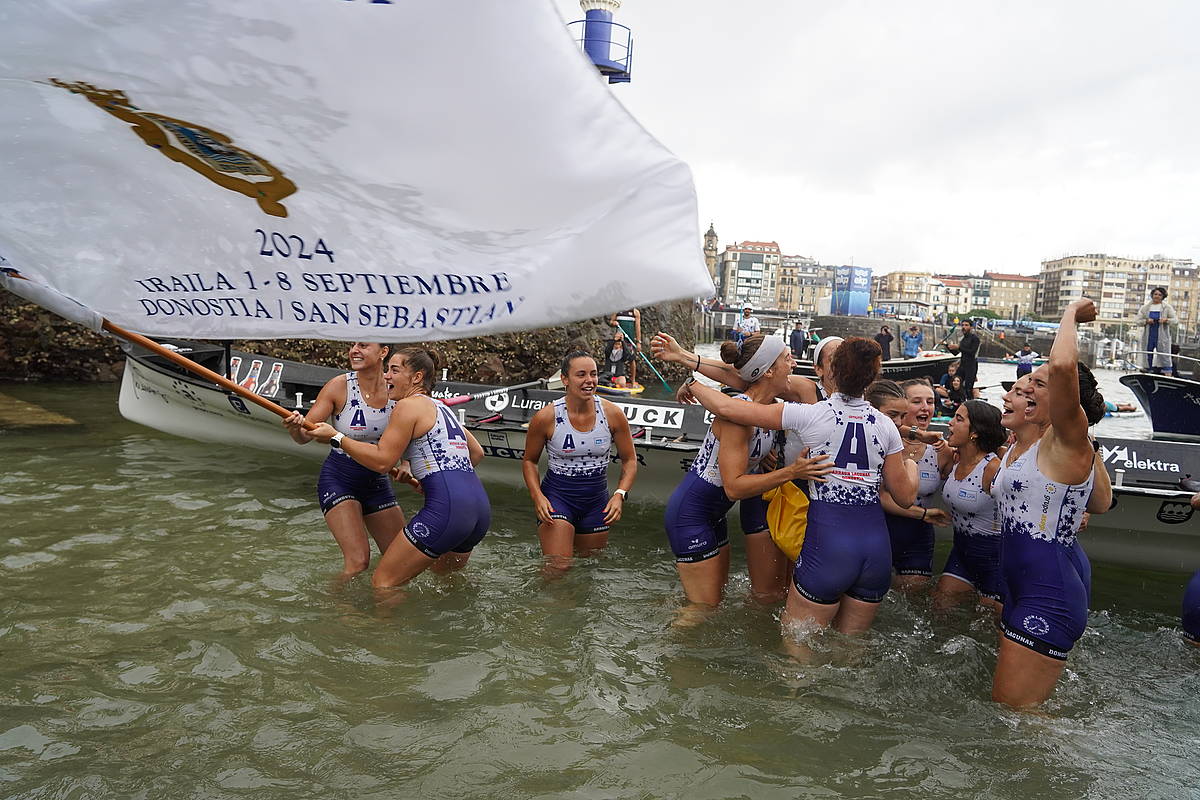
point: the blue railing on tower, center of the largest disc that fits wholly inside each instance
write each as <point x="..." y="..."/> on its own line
<point x="608" y="44"/>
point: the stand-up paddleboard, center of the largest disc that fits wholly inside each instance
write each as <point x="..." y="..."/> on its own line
<point x="620" y="391"/>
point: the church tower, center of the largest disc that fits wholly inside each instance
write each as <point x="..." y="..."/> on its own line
<point x="710" y="252"/>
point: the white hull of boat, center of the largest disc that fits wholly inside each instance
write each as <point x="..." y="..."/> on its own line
<point x="1147" y="528"/>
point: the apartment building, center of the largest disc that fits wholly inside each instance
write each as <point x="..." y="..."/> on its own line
<point x="749" y="273"/>
<point x="1006" y="290"/>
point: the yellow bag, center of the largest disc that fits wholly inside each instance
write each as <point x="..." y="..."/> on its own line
<point x="787" y="514"/>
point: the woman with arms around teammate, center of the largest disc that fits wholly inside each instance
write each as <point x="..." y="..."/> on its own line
<point x="973" y="566"/>
<point x="577" y="431"/>
<point x="354" y="499"/>
<point x="720" y="474"/>
<point x="844" y="569"/>
<point x="441" y="455"/>
<point x="910" y="529"/>
<point x="1044" y="485"/>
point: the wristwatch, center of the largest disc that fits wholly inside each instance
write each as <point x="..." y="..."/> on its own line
<point x="623" y="492"/>
<point x="336" y="441"/>
<point x="912" y="433"/>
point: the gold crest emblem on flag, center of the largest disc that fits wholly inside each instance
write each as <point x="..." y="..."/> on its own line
<point x="201" y="149"/>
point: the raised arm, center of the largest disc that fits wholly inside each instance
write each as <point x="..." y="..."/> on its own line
<point x="754" y="414"/>
<point x="664" y="347"/>
<point x="1066" y="415"/>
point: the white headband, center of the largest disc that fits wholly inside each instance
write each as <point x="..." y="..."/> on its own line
<point x="763" y="358"/>
<point x="821" y="346"/>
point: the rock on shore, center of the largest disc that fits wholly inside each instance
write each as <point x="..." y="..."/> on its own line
<point x="36" y="345"/>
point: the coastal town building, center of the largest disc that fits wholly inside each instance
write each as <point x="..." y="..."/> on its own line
<point x="809" y="283"/>
<point x="749" y="273"/>
<point x="1007" y="291"/>
<point x="956" y="295"/>
<point x="1118" y="285"/>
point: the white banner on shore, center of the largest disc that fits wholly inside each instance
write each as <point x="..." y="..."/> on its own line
<point x="340" y="169"/>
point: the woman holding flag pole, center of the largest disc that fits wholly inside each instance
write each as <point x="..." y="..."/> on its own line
<point x="355" y="501"/>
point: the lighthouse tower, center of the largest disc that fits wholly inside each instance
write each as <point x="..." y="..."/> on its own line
<point x="608" y="44"/>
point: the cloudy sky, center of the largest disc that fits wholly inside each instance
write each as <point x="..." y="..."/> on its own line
<point x="948" y="136"/>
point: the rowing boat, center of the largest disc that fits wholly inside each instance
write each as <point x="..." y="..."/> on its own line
<point x="1146" y="527"/>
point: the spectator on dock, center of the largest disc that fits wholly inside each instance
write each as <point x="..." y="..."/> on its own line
<point x="798" y="342"/>
<point x="911" y="340"/>
<point x="1159" y="320"/>
<point x="884" y="338"/>
<point x="968" y="350"/>
<point x="748" y="324"/>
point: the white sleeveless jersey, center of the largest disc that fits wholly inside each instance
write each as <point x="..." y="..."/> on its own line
<point x="1034" y="507"/>
<point x="792" y="445"/>
<point x="573" y="453"/>
<point x="357" y="419"/>
<point x="442" y="449"/>
<point x="855" y="435"/>
<point x="973" y="510"/>
<point x="707" y="465"/>
<point x="931" y="477"/>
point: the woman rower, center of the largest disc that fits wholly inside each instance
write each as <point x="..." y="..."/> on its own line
<point x="355" y="500"/>
<point x="441" y="455"/>
<point x="762" y="556"/>
<point x="844" y="568"/>
<point x="973" y="566"/>
<point x="910" y="529"/>
<point x="1044" y="485"/>
<point x="720" y="474"/>
<point x="578" y="430"/>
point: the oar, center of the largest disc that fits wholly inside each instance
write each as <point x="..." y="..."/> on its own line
<point x="466" y="398"/>
<point x="68" y="309"/>
<point x="656" y="372"/>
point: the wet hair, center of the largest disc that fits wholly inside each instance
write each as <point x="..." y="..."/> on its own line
<point x="739" y="357"/>
<point x="856" y="365"/>
<point x="1162" y="289"/>
<point x="984" y="421"/>
<point x="1089" y="395"/>
<point x="423" y="360"/>
<point x="571" y="356"/>
<point x="883" y="390"/>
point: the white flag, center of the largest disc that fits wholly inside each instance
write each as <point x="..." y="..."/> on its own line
<point x="341" y="169"/>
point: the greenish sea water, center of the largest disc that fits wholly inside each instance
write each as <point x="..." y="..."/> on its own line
<point x="169" y="627"/>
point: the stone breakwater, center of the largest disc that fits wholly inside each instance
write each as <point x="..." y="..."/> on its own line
<point x="36" y="345"/>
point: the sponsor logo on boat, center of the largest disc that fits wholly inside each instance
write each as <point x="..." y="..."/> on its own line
<point x="239" y="405"/>
<point x="1173" y="513"/>
<point x="1123" y="457"/>
<point x="653" y="416"/>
